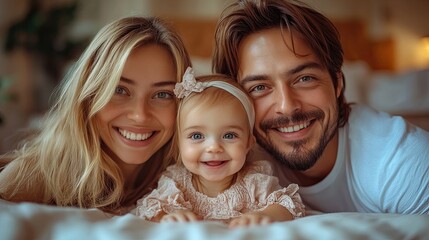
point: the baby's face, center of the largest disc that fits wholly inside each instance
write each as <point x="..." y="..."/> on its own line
<point x="214" y="140"/>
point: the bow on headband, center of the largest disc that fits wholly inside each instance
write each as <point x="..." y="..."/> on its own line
<point x="189" y="84"/>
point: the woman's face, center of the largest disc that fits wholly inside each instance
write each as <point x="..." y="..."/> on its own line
<point x="139" y="119"/>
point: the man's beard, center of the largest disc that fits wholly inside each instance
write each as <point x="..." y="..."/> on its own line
<point x="300" y="158"/>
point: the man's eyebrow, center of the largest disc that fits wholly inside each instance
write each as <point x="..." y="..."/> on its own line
<point x="252" y="78"/>
<point x="295" y="70"/>
<point x="301" y="67"/>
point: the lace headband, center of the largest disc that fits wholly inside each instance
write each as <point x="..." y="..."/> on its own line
<point x="189" y="84"/>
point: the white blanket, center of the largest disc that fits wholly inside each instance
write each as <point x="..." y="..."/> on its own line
<point x="33" y="221"/>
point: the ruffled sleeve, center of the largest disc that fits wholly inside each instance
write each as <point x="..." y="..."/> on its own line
<point x="168" y="197"/>
<point x="266" y="190"/>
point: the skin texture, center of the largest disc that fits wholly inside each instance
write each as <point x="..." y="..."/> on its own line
<point x="139" y="119"/>
<point x="295" y="102"/>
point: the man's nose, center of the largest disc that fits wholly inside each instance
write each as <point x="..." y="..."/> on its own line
<point x="286" y="101"/>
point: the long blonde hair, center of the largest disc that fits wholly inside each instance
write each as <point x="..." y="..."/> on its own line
<point x="67" y="156"/>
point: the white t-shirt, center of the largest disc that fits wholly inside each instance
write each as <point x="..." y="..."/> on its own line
<point x="382" y="166"/>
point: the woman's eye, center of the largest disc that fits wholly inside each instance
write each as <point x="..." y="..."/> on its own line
<point x="165" y="95"/>
<point x="230" y="136"/>
<point x="196" y="136"/>
<point x="120" y="90"/>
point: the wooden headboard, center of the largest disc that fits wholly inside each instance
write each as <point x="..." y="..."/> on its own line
<point x="198" y="36"/>
<point x="357" y="45"/>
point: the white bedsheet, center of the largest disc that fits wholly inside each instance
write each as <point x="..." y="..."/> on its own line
<point x="33" y="221"/>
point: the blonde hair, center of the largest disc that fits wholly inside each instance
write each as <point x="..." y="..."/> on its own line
<point x="67" y="156"/>
<point x="209" y="97"/>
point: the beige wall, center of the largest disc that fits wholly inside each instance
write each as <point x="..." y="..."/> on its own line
<point x="406" y="21"/>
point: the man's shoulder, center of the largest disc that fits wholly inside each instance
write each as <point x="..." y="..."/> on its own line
<point x="366" y="124"/>
<point x="377" y="138"/>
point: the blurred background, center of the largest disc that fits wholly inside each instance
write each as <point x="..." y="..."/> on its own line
<point x="386" y="44"/>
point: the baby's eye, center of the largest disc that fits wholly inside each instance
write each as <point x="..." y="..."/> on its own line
<point x="230" y="135"/>
<point x="196" y="136"/>
<point x="120" y="90"/>
<point x="165" y="95"/>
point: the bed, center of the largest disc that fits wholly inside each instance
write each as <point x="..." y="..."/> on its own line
<point x="34" y="221"/>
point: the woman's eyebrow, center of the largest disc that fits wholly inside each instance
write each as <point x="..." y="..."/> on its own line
<point x="164" y="83"/>
<point x="127" y="80"/>
<point x="157" y="84"/>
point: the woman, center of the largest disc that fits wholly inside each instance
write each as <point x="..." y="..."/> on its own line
<point x="106" y="139"/>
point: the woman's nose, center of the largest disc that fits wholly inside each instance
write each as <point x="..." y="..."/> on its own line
<point x="139" y="111"/>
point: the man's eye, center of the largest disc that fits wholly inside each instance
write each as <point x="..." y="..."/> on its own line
<point x="306" y="79"/>
<point x="196" y="136"/>
<point x="164" y="95"/>
<point x="258" y="88"/>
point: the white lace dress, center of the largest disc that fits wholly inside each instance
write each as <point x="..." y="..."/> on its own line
<point x="254" y="189"/>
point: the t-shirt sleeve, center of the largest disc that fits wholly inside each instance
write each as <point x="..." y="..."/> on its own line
<point x="404" y="183"/>
<point x="390" y="163"/>
<point x="167" y="197"/>
<point x="265" y="189"/>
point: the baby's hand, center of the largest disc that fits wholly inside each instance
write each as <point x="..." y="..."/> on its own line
<point x="180" y="216"/>
<point x="255" y="218"/>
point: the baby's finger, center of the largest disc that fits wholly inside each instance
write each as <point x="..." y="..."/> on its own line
<point x="265" y="221"/>
<point x="190" y="216"/>
<point x="168" y="218"/>
<point x="238" y="222"/>
<point x="181" y="217"/>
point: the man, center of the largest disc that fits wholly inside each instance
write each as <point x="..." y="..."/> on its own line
<point x="345" y="157"/>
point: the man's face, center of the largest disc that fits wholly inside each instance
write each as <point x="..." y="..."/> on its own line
<point x="295" y="100"/>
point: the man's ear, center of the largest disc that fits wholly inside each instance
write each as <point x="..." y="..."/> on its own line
<point x="340" y="83"/>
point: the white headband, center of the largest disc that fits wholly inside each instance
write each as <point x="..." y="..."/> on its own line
<point x="189" y="84"/>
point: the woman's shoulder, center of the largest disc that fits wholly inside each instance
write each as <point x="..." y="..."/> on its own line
<point x="15" y="190"/>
